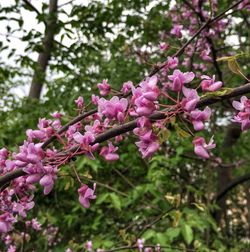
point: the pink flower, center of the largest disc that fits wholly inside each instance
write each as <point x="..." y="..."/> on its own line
<point x="145" y="96"/>
<point x="201" y="148"/>
<point x="176" y="30"/>
<point x="158" y="248"/>
<point x="23" y="206"/>
<point x="150" y="89"/>
<point x="79" y="102"/>
<point x="198" y="118"/>
<point x="57" y="114"/>
<point x="86" y="194"/>
<point x="95" y="99"/>
<point x="89" y="246"/>
<point x="108" y="152"/>
<point x="127" y="86"/>
<point x="35" y="224"/>
<point x="179" y="79"/>
<point x="6" y="222"/>
<point x="244" y="4"/>
<point x="164" y="46"/>
<point x="148" y="148"/>
<point x="44" y="130"/>
<point x="104" y="87"/>
<point x="96" y="128"/>
<point x="29" y="153"/>
<point x="191" y="99"/>
<point x="205" y="55"/>
<point x="148" y="249"/>
<point x="3" y="156"/>
<point x="243" y="117"/>
<point x="48" y="180"/>
<point x="114" y="108"/>
<point x="11" y="248"/>
<point x="144" y="107"/>
<point x="172" y="63"/>
<point x="4" y="153"/>
<point x="243" y="104"/>
<point x="85" y="142"/>
<point x="140" y="244"/>
<point x="148" y="143"/>
<point x="209" y="84"/>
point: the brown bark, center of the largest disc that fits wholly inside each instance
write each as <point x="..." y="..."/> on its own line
<point x="246" y="187"/>
<point x="44" y="56"/>
<point x="224" y="173"/>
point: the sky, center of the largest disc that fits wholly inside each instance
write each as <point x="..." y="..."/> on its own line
<point x="30" y="22"/>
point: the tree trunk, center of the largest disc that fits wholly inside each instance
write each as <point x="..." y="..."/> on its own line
<point x="44" y="56"/>
<point x="224" y="173"/>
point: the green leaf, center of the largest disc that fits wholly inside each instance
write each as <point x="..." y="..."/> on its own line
<point x="187" y="233"/>
<point x="221" y="92"/>
<point x="200" y="206"/>
<point x="101" y="198"/>
<point x="181" y="132"/>
<point x="115" y="201"/>
<point x="149" y="234"/>
<point x="234" y="66"/>
<point x="173" y="233"/>
<point x="163" y="135"/>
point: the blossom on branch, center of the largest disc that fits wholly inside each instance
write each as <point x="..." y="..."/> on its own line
<point x="86" y="194"/>
<point x="209" y="84"/>
<point x="104" y="87"/>
<point x="201" y="148"/>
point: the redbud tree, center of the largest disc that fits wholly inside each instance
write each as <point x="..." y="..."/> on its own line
<point x="163" y="127"/>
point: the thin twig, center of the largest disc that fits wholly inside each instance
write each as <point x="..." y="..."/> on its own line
<point x="32" y="7"/>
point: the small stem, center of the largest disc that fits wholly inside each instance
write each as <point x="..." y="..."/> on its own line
<point x="77" y="176"/>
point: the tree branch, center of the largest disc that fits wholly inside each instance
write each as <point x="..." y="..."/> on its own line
<point x="121" y="129"/>
<point x="32" y="7"/>
<point x="44" y="56"/>
<point x="235" y="182"/>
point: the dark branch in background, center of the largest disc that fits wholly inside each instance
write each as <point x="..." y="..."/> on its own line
<point x="44" y="56"/>
<point x="235" y="182"/>
<point x="209" y="40"/>
<point x="213" y="49"/>
<point x="156" y="220"/>
<point x="69" y="2"/>
<point x="31" y="6"/>
<point x="157" y="116"/>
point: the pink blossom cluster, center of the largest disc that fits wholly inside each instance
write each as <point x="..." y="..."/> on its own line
<point x="185" y="21"/>
<point x="243" y="116"/>
<point x="42" y="165"/>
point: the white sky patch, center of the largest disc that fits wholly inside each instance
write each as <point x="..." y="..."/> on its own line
<point x="13" y="39"/>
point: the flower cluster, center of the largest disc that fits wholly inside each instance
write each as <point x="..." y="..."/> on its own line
<point x="41" y="166"/>
<point x="243" y="116"/>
